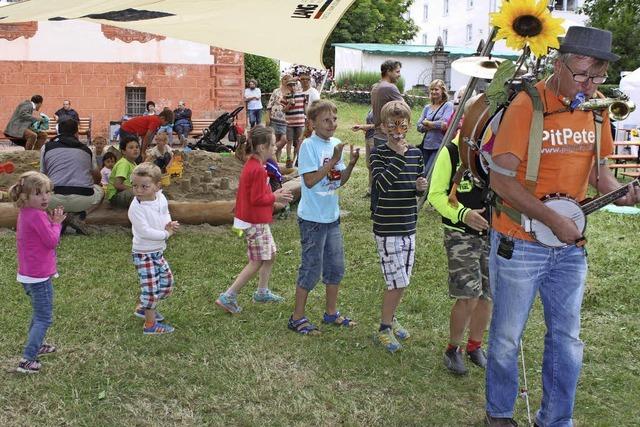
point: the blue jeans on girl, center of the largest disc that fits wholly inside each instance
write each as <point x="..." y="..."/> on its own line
<point x="41" y="295"/>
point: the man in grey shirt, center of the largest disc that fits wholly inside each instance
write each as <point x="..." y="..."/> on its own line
<point x="73" y="169"/>
<point x="381" y="93"/>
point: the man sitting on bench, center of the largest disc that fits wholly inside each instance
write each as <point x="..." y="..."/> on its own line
<point x="19" y="130"/>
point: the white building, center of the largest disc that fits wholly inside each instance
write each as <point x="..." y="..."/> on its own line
<point x="418" y="61"/>
<point x="465" y="22"/>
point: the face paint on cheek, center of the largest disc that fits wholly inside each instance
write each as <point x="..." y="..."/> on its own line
<point x="398" y="129"/>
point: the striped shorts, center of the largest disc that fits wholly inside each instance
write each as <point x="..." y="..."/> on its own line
<point x="156" y="279"/>
<point x="260" y="243"/>
<point x="397" y="254"/>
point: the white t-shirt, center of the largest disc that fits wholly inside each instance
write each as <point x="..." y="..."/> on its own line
<point x="254" y="104"/>
<point x="312" y="95"/>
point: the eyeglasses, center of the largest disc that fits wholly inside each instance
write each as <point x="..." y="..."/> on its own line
<point x="581" y="78"/>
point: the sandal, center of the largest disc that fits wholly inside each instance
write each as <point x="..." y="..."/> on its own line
<point x="303" y="326"/>
<point x="338" y="320"/>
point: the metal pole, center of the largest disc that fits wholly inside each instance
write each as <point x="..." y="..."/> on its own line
<point x="451" y="130"/>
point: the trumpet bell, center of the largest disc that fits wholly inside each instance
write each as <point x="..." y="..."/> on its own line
<point x="620" y="110"/>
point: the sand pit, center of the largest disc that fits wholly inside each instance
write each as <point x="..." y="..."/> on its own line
<point x="204" y="194"/>
<point x="206" y="176"/>
<point x="23" y="161"/>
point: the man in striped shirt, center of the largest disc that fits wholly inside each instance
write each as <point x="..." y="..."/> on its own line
<point x="398" y="178"/>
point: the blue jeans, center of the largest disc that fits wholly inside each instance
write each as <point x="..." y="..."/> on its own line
<point x="41" y="295"/>
<point x="322" y="252"/>
<point x="255" y="117"/>
<point x="558" y="274"/>
<point x="182" y="129"/>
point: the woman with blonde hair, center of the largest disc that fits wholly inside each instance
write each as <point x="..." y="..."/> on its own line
<point x="433" y="122"/>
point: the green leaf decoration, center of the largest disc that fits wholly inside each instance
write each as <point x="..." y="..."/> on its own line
<point x="497" y="92"/>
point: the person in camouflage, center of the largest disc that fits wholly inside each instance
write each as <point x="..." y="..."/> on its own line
<point x="467" y="246"/>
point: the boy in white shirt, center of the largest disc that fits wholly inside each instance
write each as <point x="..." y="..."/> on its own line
<point x="151" y="226"/>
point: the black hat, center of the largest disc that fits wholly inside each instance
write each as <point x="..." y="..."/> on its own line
<point x="589" y="41"/>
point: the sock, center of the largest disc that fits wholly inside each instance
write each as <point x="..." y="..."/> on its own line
<point x="473" y="345"/>
<point x="263" y="291"/>
<point x="230" y="294"/>
<point x="451" y="347"/>
<point x="384" y="327"/>
<point x="149" y="325"/>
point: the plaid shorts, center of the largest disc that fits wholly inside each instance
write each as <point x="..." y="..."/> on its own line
<point x="156" y="279"/>
<point x="397" y="254"/>
<point x="260" y="243"/>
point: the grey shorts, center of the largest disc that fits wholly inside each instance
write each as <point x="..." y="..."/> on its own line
<point x="468" y="256"/>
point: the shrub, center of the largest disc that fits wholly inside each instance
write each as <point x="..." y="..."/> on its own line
<point x="265" y="70"/>
<point x="362" y="80"/>
<point x="609" y="90"/>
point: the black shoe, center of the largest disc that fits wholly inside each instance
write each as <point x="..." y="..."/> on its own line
<point x="478" y="357"/>
<point x="454" y="362"/>
<point x="499" y="422"/>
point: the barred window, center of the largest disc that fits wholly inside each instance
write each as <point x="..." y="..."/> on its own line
<point x="135" y="99"/>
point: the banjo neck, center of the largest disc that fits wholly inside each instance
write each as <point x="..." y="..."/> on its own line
<point x="605" y="199"/>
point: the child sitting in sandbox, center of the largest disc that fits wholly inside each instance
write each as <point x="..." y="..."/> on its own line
<point x="161" y="154"/>
<point x="119" y="188"/>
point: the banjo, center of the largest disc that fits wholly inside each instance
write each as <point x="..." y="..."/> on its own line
<point x="567" y="206"/>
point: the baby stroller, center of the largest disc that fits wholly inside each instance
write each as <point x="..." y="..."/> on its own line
<point x="211" y="136"/>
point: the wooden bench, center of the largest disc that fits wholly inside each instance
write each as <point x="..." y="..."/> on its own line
<point x="623" y="143"/>
<point x="631" y="174"/>
<point x="198" y="126"/>
<point x="84" y="128"/>
<point x="624" y="166"/>
<point x="622" y="157"/>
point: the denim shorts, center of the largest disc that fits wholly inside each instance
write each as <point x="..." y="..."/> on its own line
<point x="322" y="252"/>
<point x="279" y="128"/>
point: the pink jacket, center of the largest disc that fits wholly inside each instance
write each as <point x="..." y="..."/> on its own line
<point x="36" y="239"/>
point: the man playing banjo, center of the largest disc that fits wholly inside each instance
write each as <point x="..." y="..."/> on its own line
<point x="566" y="162"/>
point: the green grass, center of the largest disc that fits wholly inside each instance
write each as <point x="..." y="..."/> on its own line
<point x="250" y="370"/>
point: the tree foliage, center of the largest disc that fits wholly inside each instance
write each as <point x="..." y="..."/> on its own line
<point x="265" y="70"/>
<point x="372" y="21"/>
<point x="621" y="18"/>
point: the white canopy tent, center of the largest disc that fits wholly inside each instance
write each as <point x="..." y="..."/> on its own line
<point x="630" y="85"/>
<point x="283" y="29"/>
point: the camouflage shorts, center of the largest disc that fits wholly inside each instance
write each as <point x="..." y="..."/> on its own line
<point x="468" y="256"/>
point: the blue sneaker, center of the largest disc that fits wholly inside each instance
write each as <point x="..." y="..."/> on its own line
<point x="266" y="297"/>
<point x="388" y="340"/>
<point x="398" y="330"/>
<point x="158" y="329"/>
<point x="139" y="312"/>
<point x="228" y="304"/>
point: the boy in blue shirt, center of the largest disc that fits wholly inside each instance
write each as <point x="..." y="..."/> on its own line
<point x="323" y="172"/>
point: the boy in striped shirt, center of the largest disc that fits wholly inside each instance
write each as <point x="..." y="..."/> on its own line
<point x="398" y="178"/>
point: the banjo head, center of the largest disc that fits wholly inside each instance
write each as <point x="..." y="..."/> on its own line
<point x="562" y="205"/>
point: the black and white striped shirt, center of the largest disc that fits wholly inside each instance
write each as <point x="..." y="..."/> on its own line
<point x="394" y="207"/>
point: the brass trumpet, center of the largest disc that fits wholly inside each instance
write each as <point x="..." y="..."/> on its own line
<point x="619" y="108"/>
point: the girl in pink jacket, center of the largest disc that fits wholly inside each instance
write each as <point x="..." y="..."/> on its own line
<point x="37" y="235"/>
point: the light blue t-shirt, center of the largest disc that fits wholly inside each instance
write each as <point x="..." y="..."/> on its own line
<point x="320" y="202"/>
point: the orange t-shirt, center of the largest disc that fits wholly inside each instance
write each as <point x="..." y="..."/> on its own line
<point x="567" y="153"/>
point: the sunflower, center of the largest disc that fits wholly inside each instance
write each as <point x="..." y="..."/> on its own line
<point x="523" y="22"/>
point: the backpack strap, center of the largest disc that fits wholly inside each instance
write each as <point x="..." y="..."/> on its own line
<point x="597" y="121"/>
<point x="535" y="139"/>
